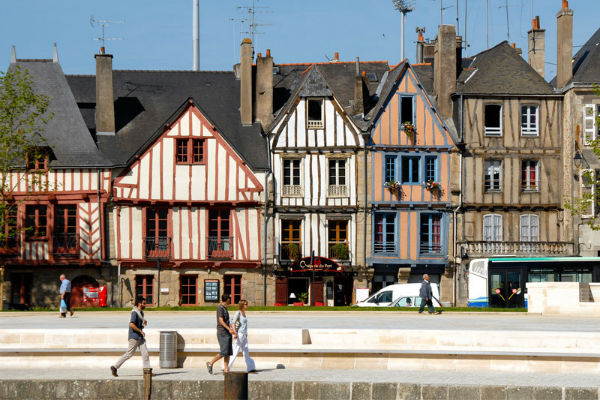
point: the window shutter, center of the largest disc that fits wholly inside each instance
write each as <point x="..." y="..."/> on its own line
<point x="588" y="192"/>
<point x="498" y="228"/>
<point x="589" y="123"/>
<point x="524" y="228"/>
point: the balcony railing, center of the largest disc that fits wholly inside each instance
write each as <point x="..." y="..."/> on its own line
<point x="157" y="247"/>
<point x="525" y="249"/>
<point x="314" y="124"/>
<point x="220" y="247"/>
<point x="337" y="191"/>
<point x="339" y="251"/>
<point x="9" y="247"/>
<point x="292" y="190"/>
<point x="65" y="244"/>
<point x="290" y="251"/>
<point x="430" y="248"/>
<point x="384" y="247"/>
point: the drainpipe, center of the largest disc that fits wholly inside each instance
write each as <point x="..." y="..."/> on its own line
<point x="460" y="195"/>
<point x="265" y="236"/>
<point x="365" y="212"/>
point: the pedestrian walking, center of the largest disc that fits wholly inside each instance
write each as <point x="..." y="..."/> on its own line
<point x="224" y="335"/>
<point x="65" y="295"/>
<point x="426" y="296"/>
<point x="240" y="326"/>
<point x="137" y="337"/>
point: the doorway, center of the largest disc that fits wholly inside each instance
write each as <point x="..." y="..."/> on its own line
<point x="297" y="290"/>
<point x="505" y="289"/>
<point x="20" y="291"/>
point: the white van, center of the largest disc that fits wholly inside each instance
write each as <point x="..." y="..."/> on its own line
<point x="386" y="296"/>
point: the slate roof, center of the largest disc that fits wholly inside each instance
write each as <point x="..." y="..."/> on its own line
<point x="501" y="71"/>
<point x="146" y="100"/>
<point x="586" y="63"/>
<point x="66" y="132"/>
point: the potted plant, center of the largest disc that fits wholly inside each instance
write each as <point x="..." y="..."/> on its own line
<point x="432" y="186"/>
<point x="409" y="128"/>
<point x="293" y="251"/>
<point x="303" y="297"/>
<point x="393" y="186"/>
<point x="339" y="251"/>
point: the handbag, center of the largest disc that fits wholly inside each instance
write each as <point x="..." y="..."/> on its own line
<point x="236" y="321"/>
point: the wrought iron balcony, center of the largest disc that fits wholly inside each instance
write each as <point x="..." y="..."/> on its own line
<point x="384" y="247"/>
<point x="65" y="244"/>
<point x="220" y="247"/>
<point x="157" y="247"/>
<point x="290" y="251"/>
<point x="339" y="251"/>
<point x="523" y="249"/>
<point x="430" y="248"/>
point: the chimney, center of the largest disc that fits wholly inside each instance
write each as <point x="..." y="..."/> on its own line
<point x="459" y="48"/>
<point x="246" y="82"/>
<point x="359" y="106"/>
<point x="564" y="48"/>
<point x="264" y="89"/>
<point x="420" y="45"/>
<point x="517" y="49"/>
<point x="536" y="49"/>
<point x="105" y="106"/>
<point x="428" y="51"/>
<point x="444" y="69"/>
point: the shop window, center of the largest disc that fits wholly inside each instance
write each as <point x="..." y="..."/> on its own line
<point x="189" y="151"/>
<point x="65" y="229"/>
<point x="406" y="110"/>
<point x="529" y="120"/>
<point x="410" y="169"/>
<point x="292" y="185"/>
<point x="385" y="233"/>
<point x="233" y="286"/>
<point x="144" y="287"/>
<point x="529" y="228"/>
<point x="530" y="175"/>
<point x="493" y="176"/>
<point x="36" y="222"/>
<point x="431" y="234"/>
<point x="337" y="178"/>
<point x="338" y="240"/>
<point x="188" y="290"/>
<point x="314" y="114"/>
<point x="211" y="290"/>
<point x="493" y="120"/>
<point x="219" y="235"/>
<point x="291" y="245"/>
<point x="492" y="228"/>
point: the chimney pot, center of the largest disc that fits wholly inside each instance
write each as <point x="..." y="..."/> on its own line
<point x="268" y="52"/>
<point x="259" y="55"/>
<point x="565" y="4"/>
<point x="364" y="73"/>
<point x="102" y="50"/>
<point x="336" y="57"/>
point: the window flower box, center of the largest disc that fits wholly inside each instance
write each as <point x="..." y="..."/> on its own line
<point x="409" y="129"/>
<point x="432" y="186"/>
<point x="393" y="186"/>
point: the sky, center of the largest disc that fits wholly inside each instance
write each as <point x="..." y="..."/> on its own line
<point x="157" y="34"/>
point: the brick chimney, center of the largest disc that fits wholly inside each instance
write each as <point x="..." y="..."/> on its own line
<point x="246" y="82"/>
<point x="536" y="39"/>
<point x="444" y="69"/>
<point x="105" y="105"/>
<point x="359" y="105"/>
<point x="264" y="89"/>
<point x="564" y="48"/>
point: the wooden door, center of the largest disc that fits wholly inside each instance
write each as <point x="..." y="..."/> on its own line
<point x="317" y="291"/>
<point x="281" y="291"/>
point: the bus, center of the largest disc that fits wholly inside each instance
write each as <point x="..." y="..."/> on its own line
<point x="501" y="282"/>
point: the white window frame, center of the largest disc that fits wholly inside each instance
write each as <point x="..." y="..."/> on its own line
<point x="530" y="228"/>
<point x="526" y="186"/>
<point x="590" y="128"/>
<point x="492" y="228"/>
<point x="530" y="128"/>
<point x="589" y="187"/>
<point x="487" y="165"/>
<point x="493" y="131"/>
<point x="315" y="124"/>
<point x="291" y="190"/>
<point x="337" y="190"/>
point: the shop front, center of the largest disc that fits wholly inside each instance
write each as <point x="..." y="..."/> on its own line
<point x="315" y="281"/>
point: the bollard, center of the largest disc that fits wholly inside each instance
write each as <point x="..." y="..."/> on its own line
<point x="236" y="386"/>
<point x="147" y="383"/>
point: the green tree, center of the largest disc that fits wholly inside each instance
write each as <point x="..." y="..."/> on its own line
<point x="23" y="113"/>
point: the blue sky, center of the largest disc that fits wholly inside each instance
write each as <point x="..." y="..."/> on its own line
<point x="157" y="34"/>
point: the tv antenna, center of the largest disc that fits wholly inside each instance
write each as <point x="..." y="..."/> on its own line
<point x="404" y="6"/>
<point x="252" y="24"/>
<point x="103" y="23"/>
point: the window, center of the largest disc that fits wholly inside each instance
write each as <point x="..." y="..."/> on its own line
<point x="385" y="233"/>
<point x="314" y="113"/>
<point x="35" y="222"/>
<point x="144" y="287"/>
<point x="65" y="229"/>
<point x="233" y="286"/>
<point x="406" y="110"/>
<point x="219" y="240"/>
<point x="291" y="246"/>
<point x="493" y="120"/>
<point x="338" y="240"/>
<point x="529" y="228"/>
<point x="492" y="228"/>
<point x="431" y="234"/>
<point x="38" y="159"/>
<point x="529" y="175"/>
<point x="211" y="290"/>
<point x="157" y="232"/>
<point x="337" y="178"/>
<point x="590" y="126"/>
<point x="390" y="169"/>
<point x="529" y="120"/>
<point x="189" y="151"/>
<point x="430" y="169"/>
<point x="291" y="178"/>
<point x="8" y="230"/>
<point x="493" y="175"/>
<point x="410" y="169"/>
<point x="188" y="290"/>
<point x="588" y="192"/>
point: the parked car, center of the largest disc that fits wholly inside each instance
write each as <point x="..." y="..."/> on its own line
<point x="411" y="301"/>
<point x="386" y="296"/>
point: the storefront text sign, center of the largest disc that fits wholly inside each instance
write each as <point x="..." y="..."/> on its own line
<point x="318" y="264"/>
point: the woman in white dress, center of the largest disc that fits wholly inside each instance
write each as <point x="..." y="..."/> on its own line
<point x="239" y="323"/>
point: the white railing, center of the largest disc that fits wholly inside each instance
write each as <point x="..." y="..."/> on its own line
<point x="493" y="131"/>
<point x="475" y="249"/>
<point x="337" y="191"/>
<point x="292" y="190"/>
<point x="313" y="124"/>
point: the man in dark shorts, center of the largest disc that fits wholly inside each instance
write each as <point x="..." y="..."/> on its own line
<point x="224" y="335"/>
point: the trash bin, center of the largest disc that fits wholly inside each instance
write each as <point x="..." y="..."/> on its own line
<point x="168" y="349"/>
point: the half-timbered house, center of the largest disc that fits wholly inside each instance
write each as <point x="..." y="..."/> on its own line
<point x="59" y="204"/>
<point x="186" y="220"/>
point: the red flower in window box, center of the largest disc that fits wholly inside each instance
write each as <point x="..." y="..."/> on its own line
<point x="432" y="186"/>
<point x="409" y="128"/>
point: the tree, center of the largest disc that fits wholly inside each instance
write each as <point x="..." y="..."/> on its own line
<point x="23" y="113"/>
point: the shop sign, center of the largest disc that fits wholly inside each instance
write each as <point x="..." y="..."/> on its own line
<point x="318" y="264"/>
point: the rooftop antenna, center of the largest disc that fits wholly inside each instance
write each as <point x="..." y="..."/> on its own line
<point x="103" y="23"/>
<point x="487" y="25"/>
<point x="252" y="24"/>
<point x="404" y="6"/>
<point x="196" y="36"/>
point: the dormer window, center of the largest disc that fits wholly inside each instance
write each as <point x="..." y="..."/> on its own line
<point x="38" y="159"/>
<point x="493" y="120"/>
<point x="314" y="114"/>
